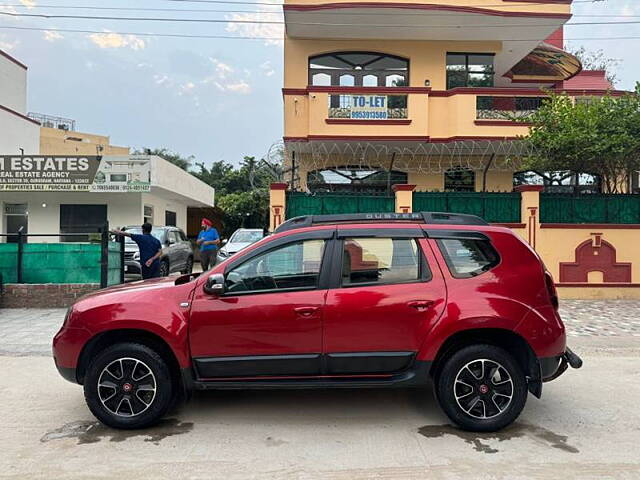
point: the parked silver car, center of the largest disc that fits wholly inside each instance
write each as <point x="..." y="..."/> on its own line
<point x="241" y="238"/>
<point x="177" y="253"/>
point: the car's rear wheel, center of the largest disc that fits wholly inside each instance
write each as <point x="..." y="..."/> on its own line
<point x="188" y="267"/>
<point x="128" y="385"/>
<point x="164" y="268"/>
<point x="481" y="388"/>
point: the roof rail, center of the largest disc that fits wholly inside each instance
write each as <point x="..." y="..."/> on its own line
<point x="436" y="218"/>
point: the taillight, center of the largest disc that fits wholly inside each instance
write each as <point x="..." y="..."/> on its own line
<point x="551" y="289"/>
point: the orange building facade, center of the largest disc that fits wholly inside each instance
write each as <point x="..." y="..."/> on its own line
<point x="410" y="105"/>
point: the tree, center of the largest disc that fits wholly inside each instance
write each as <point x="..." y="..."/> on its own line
<point x="173" y="157"/>
<point x="599" y="136"/>
<point x="596" y="60"/>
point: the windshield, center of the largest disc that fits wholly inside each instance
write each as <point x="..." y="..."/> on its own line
<point x="246" y="236"/>
<point x="156" y="232"/>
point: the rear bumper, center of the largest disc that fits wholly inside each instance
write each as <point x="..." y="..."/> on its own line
<point x="552" y="367"/>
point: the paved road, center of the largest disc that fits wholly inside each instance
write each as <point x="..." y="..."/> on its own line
<point x="587" y="426"/>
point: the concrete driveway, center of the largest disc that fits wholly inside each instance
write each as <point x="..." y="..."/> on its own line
<point x="587" y="426"/>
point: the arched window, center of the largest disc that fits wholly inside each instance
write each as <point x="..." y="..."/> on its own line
<point x="354" y="179"/>
<point x="367" y="69"/>
<point x="459" y="179"/>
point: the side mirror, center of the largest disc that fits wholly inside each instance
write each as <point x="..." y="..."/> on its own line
<point x="224" y="241"/>
<point x="214" y="284"/>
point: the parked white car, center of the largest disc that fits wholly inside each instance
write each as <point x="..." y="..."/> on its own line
<point x="241" y="238"/>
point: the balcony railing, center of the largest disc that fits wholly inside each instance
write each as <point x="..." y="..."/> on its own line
<point x="368" y="107"/>
<point x="506" y="108"/>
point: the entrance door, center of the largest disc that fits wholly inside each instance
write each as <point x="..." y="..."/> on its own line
<point x="387" y="300"/>
<point x="269" y="320"/>
<point x="81" y="219"/>
<point x="16" y="217"/>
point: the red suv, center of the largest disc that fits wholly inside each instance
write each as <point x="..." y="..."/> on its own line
<point x="375" y="300"/>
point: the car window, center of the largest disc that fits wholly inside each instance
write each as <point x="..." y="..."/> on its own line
<point x="173" y="236"/>
<point x="295" y="265"/>
<point x="156" y="232"/>
<point x="468" y="258"/>
<point x="381" y="261"/>
<point x="245" y="236"/>
<point x="182" y="236"/>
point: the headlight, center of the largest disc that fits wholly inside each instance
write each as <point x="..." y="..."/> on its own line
<point x="136" y="255"/>
<point x="223" y="253"/>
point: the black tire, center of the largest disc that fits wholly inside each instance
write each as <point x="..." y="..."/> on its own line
<point x="164" y="268"/>
<point x="102" y="405"/>
<point x="467" y="375"/>
<point x="188" y="268"/>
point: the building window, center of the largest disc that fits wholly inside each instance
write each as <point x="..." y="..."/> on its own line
<point x="354" y="179"/>
<point x="470" y="70"/>
<point x="148" y="214"/>
<point x="459" y="180"/>
<point x="81" y="219"/>
<point x="170" y="218"/>
<point x="16" y="216"/>
<point x="358" y="69"/>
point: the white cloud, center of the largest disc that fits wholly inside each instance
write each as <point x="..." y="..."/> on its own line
<point x="51" y="36"/>
<point x="272" y="33"/>
<point x="6" y="44"/>
<point x="28" y="3"/>
<point x="116" y="40"/>
<point x="241" y="87"/>
<point x="226" y="79"/>
<point x="267" y="68"/>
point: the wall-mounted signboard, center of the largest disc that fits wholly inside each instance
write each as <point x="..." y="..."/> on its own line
<point x="59" y="173"/>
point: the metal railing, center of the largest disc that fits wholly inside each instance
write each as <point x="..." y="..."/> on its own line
<point x="506" y="108"/>
<point x="66" y="260"/>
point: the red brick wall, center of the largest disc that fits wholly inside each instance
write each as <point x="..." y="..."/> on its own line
<point x="50" y="295"/>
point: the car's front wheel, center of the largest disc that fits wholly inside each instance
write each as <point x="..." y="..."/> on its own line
<point x="481" y="388"/>
<point x="164" y="268"/>
<point x="188" y="267"/>
<point x="128" y="385"/>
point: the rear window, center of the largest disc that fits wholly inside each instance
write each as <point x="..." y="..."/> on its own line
<point x="468" y="258"/>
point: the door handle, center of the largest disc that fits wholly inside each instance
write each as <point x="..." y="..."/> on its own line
<point x="306" y="311"/>
<point x="420" y="304"/>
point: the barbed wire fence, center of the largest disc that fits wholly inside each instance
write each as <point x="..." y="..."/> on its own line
<point x="290" y="162"/>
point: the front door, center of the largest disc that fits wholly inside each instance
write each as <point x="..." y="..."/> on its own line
<point x="269" y="320"/>
<point x="387" y="300"/>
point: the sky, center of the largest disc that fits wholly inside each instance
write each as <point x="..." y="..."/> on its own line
<point x="215" y="99"/>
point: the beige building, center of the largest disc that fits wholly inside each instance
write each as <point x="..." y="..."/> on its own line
<point x="55" y="141"/>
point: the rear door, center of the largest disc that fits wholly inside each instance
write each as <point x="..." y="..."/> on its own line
<point x="388" y="293"/>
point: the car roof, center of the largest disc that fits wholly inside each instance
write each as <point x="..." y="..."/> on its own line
<point x="451" y="220"/>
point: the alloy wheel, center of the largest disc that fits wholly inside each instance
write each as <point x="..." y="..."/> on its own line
<point x="127" y="387"/>
<point x="483" y="389"/>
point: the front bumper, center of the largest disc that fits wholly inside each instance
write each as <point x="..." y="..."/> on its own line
<point x="67" y="346"/>
<point x="552" y="368"/>
<point x="132" y="267"/>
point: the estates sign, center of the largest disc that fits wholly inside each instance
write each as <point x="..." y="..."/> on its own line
<point x="369" y="107"/>
<point x="119" y="173"/>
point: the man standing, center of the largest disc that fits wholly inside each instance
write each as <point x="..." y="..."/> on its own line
<point x="208" y="240"/>
<point x="150" y="250"/>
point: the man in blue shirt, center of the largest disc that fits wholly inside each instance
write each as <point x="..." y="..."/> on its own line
<point x="150" y="250"/>
<point x="208" y="240"/>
